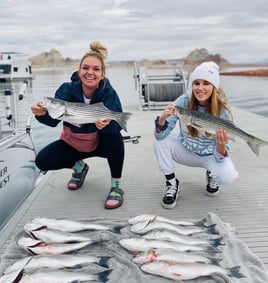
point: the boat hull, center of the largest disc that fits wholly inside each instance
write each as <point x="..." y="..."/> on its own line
<point x="18" y="174"/>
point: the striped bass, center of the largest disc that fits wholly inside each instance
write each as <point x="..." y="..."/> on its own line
<point x="78" y="113"/>
<point x="186" y="271"/>
<point x="205" y="122"/>
<point x="54" y="276"/>
<point x="150" y="217"/>
<point x="142" y="245"/>
<point x="56" y="262"/>
<point x="36" y="247"/>
<point x="49" y="236"/>
<point x="144" y="227"/>
<point x="171" y="256"/>
<point x="66" y="225"/>
<point x="166" y="235"/>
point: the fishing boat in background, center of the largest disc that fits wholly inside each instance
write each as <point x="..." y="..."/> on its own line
<point x="14" y="67"/>
<point x="18" y="172"/>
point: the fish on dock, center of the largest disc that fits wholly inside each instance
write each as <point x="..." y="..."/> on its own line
<point x="172" y="256"/>
<point x="142" y="245"/>
<point x="144" y="227"/>
<point x="170" y="236"/>
<point x="50" y="236"/>
<point x="36" y="247"/>
<point x="57" y="261"/>
<point x="78" y="113"/>
<point x="151" y="217"/>
<point x="187" y="271"/>
<point x="55" y="276"/>
<point x="66" y="225"/>
<point x="205" y="122"/>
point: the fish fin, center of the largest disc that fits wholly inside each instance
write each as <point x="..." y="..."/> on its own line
<point x="256" y="144"/>
<point x="104" y="261"/>
<point x="104" y="275"/>
<point x="19" y="276"/>
<point x="117" y="229"/>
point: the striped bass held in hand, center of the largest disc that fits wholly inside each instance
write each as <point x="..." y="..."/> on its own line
<point x="187" y="271"/>
<point x="205" y="122"/>
<point x="57" y="261"/>
<point x="78" y="113"/>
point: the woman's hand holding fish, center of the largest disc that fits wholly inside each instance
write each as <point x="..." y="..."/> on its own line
<point x="221" y="141"/>
<point x="38" y="109"/>
<point x="100" y="124"/>
<point x="168" y="111"/>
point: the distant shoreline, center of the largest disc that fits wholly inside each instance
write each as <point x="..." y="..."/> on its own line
<point x="254" y="73"/>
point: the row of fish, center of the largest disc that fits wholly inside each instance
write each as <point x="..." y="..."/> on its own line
<point x="178" y="250"/>
<point x="49" y="242"/>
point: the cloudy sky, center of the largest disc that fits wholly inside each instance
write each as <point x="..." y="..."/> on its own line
<point x="137" y="29"/>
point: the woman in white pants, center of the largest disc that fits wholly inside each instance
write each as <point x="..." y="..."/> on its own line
<point x="191" y="147"/>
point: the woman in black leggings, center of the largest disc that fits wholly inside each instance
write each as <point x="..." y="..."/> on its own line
<point x="101" y="138"/>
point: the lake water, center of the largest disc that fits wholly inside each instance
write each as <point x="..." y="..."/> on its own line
<point x="249" y="93"/>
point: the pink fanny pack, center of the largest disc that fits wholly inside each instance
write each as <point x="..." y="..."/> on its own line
<point x="81" y="142"/>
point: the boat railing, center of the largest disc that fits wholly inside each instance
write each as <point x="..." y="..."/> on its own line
<point x="156" y="86"/>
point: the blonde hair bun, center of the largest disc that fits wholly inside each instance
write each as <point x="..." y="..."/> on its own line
<point x="97" y="48"/>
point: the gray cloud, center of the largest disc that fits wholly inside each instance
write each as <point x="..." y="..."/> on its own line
<point x="135" y="29"/>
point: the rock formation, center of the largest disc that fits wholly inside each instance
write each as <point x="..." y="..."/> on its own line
<point x="198" y="56"/>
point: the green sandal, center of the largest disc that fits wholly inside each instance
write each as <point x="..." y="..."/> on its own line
<point x="114" y="199"/>
<point x="78" y="179"/>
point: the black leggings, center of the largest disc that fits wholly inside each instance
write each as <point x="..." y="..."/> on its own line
<point x="59" y="154"/>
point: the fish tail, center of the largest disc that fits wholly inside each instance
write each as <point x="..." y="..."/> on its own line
<point x="104" y="261"/>
<point x="212" y="249"/>
<point x="255" y="145"/>
<point x="211" y="229"/>
<point x="218" y="242"/>
<point x="235" y="272"/>
<point x="214" y="260"/>
<point x="122" y="120"/>
<point x="104" y="275"/>
<point x="117" y="229"/>
<point x="201" y="223"/>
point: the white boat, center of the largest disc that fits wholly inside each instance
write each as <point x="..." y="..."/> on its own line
<point x="18" y="172"/>
<point x="14" y="67"/>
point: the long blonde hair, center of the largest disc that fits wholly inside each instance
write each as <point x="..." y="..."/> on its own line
<point x="96" y="49"/>
<point x="218" y="100"/>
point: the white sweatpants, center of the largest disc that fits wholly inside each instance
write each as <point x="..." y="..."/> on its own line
<point x="170" y="149"/>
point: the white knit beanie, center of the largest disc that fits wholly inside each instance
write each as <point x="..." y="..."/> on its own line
<point x="207" y="71"/>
